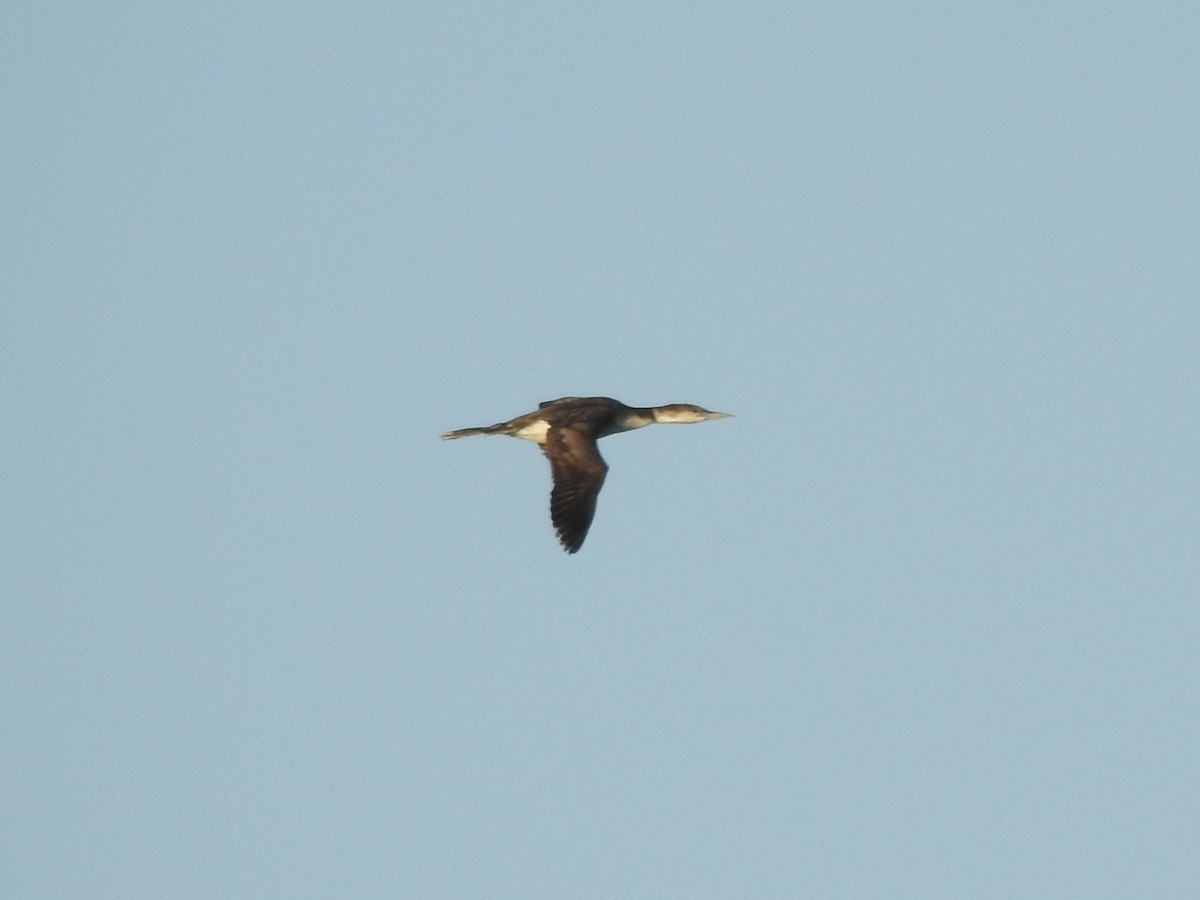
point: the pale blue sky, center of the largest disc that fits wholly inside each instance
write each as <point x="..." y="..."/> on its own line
<point x="921" y="622"/>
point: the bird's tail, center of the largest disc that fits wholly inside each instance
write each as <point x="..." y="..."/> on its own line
<point x="468" y="432"/>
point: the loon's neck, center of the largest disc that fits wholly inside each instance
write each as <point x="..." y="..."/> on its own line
<point x="629" y="418"/>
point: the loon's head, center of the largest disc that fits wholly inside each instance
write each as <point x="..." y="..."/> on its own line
<point x="685" y="414"/>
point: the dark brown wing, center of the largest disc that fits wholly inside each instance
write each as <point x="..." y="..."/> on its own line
<point x="546" y="403"/>
<point x="578" y="472"/>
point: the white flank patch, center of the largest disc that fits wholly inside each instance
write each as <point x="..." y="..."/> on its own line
<point x="535" y="431"/>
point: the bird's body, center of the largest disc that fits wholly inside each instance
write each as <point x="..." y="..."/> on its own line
<point x="567" y="430"/>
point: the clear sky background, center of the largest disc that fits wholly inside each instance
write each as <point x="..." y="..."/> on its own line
<point x="920" y="622"/>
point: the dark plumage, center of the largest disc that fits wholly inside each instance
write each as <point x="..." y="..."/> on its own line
<point x="567" y="430"/>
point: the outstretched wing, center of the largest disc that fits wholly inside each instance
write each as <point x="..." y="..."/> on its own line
<point x="578" y="472"/>
<point x="546" y="403"/>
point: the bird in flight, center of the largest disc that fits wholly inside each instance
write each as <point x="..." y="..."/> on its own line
<point x="567" y="430"/>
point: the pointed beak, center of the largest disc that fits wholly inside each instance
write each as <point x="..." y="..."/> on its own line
<point x="717" y="415"/>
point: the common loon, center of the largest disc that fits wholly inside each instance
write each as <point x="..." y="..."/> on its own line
<point x="567" y="430"/>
